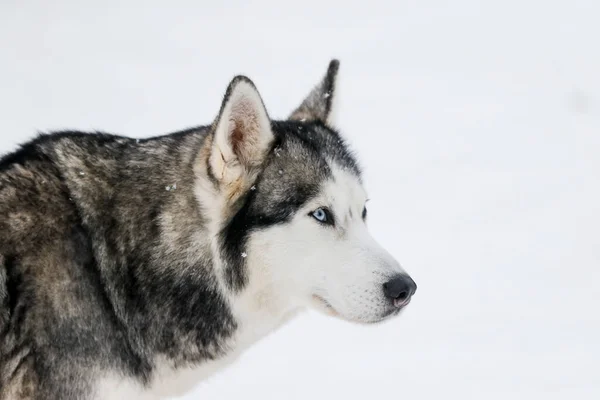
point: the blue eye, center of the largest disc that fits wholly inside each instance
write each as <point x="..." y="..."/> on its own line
<point x="322" y="215"/>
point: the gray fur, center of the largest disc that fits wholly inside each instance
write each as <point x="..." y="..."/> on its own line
<point x="318" y="104"/>
<point x="105" y="260"/>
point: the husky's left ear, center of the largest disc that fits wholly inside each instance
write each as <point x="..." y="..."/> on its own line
<point x="242" y="135"/>
<point x="318" y="105"/>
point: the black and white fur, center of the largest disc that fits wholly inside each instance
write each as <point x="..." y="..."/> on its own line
<point x="133" y="269"/>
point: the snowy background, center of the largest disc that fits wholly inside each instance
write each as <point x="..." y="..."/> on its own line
<point x="478" y="123"/>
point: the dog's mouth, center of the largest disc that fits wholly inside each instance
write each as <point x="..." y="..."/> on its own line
<point x="326" y="307"/>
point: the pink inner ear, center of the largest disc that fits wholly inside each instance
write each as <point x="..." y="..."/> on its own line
<point x="236" y="138"/>
<point x="244" y="130"/>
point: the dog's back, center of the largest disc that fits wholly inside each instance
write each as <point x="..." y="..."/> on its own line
<point x="34" y="214"/>
<point x="57" y="325"/>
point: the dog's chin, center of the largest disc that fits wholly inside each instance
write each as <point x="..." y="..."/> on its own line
<point x="325" y="307"/>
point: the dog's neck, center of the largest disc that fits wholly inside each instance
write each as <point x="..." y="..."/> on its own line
<point x="189" y="250"/>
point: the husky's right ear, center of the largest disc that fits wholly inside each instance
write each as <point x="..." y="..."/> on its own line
<point x="319" y="104"/>
<point x="242" y="135"/>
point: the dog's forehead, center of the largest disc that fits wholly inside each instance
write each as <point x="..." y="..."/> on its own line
<point x="344" y="190"/>
<point x="307" y="142"/>
<point x="306" y="158"/>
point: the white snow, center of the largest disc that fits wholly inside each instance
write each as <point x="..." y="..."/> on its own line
<point x="477" y="122"/>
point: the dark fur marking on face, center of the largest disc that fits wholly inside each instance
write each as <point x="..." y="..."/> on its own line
<point x="291" y="176"/>
<point x="250" y="218"/>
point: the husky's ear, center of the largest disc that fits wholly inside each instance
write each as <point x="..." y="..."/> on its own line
<point x="242" y="134"/>
<point x="318" y="105"/>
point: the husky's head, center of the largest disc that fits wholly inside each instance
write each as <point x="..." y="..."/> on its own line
<point x="288" y="211"/>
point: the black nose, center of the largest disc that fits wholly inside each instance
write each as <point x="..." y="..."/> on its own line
<point x="400" y="289"/>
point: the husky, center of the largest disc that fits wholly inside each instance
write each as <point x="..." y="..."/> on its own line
<point x="134" y="269"/>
